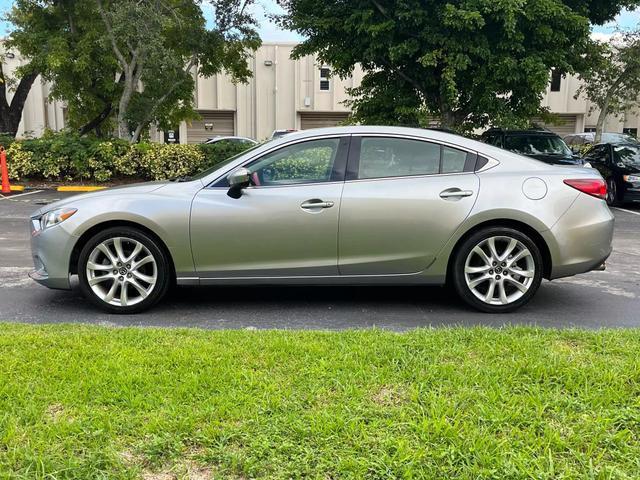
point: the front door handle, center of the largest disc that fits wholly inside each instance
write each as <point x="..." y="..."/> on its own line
<point x="455" y="193"/>
<point x="315" y="203"/>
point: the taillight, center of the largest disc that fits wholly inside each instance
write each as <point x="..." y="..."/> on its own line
<point x="595" y="187"/>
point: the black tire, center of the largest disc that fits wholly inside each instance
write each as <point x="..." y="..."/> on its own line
<point x="613" y="193"/>
<point x="163" y="275"/>
<point x="458" y="270"/>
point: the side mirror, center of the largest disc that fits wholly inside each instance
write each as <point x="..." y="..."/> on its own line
<point x="238" y="180"/>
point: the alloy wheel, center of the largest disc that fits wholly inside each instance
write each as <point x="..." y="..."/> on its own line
<point x="121" y="271"/>
<point x="499" y="270"/>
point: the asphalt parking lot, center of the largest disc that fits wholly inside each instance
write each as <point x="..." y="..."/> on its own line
<point x="596" y="299"/>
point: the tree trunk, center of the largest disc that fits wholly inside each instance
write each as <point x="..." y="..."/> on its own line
<point x="11" y="114"/>
<point x="123" y="106"/>
<point x="600" y="123"/>
<point x="95" y="123"/>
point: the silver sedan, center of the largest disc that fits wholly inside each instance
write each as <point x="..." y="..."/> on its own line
<point x="347" y="205"/>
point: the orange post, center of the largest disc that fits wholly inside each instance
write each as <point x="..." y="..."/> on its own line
<point x="6" y="188"/>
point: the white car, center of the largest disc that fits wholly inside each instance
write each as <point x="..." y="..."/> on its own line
<point x="231" y="139"/>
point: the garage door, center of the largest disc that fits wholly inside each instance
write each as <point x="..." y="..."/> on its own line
<point x="566" y="124"/>
<point x="210" y="125"/>
<point x="310" y="120"/>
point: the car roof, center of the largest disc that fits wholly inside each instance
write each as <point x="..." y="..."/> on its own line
<point x="222" y="137"/>
<point x="532" y="131"/>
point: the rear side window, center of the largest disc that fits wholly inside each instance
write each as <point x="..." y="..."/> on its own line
<point x="453" y="160"/>
<point x="397" y="157"/>
<point x="382" y="157"/>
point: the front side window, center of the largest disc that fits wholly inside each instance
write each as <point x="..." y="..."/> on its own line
<point x="597" y="154"/>
<point x="307" y="162"/>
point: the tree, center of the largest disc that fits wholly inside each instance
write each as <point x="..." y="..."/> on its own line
<point x="160" y="45"/>
<point x="130" y="63"/>
<point x="469" y="62"/>
<point x="62" y="40"/>
<point x="11" y="111"/>
<point x="613" y="82"/>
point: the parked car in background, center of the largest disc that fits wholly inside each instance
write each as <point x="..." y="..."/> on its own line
<point x="282" y="133"/>
<point x="335" y="206"/>
<point x="619" y="165"/>
<point x="588" y="138"/>
<point x="230" y="139"/>
<point x="536" y="143"/>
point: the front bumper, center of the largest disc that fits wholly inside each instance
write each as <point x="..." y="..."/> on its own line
<point x="632" y="193"/>
<point x="51" y="250"/>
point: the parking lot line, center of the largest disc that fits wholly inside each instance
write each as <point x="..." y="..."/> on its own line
<point x="627" y="211"/>
<point x="20" y="195"/>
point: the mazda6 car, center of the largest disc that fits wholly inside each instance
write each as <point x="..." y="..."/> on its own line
<point x="337" y="206"/>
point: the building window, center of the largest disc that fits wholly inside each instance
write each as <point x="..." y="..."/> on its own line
<point x="631" y="131"/>
<point x="556" y="79"/>
<point x="589" y="129"/>
<point x="325" y="73"/>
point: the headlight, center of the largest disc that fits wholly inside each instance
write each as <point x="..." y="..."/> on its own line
<point x="55" y="217"/>
<point x="631" y="178"/>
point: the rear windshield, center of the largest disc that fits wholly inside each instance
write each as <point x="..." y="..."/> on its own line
<point x="628" y="155"/>
<point x="536" y="145"/>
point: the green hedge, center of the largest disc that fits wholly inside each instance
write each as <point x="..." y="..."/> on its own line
<point x="69" y="157"/>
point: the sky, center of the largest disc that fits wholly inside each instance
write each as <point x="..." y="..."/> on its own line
<point x="271" y="33"/>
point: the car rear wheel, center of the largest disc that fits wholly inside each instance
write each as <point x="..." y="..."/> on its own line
<point x="497" y="270"/>
<point x="123" y="270"/>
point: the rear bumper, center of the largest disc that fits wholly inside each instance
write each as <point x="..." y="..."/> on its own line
<point x="581" y="240"/>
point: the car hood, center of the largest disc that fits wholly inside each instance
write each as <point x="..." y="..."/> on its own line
<point x="557" y="159"/>
<point x="628" y="169"/>
<point x="146" y="187"/>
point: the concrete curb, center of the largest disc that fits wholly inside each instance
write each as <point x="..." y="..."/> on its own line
<point x="79" y="188"/>
<point x="17" y="188"/>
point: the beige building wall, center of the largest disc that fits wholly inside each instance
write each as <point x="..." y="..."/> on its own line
<point x="286" y="94"/>
<point x="563" y="102"/>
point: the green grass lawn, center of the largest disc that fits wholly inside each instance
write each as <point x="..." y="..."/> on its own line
<point x="88" y="402"/>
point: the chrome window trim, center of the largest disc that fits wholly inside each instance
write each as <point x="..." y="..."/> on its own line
<point x="263" y="187"/>
<point x="422" y="139"/>
<point x="398" y="177"/>
<point x="492" y="162"/>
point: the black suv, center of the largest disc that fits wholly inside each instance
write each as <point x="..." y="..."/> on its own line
<point x="537" y="143"/>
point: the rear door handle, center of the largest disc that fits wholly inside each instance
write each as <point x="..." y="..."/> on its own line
<point x="455" y="193"/>
<point x="315" y="204"/>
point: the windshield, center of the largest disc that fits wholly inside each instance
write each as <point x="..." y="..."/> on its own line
<point x="618" y="137"/>
<point x="536" y="145"/>
<point x="218" y="165"/>
<point x="627" y="155"/>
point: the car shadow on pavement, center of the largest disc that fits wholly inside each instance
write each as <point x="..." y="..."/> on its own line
<point x="336" y="307"/>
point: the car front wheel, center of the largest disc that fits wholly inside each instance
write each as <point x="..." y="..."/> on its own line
<point x="497" y="270"/>
<point x="613" y="197"/>
<point x="123" y="270"/>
